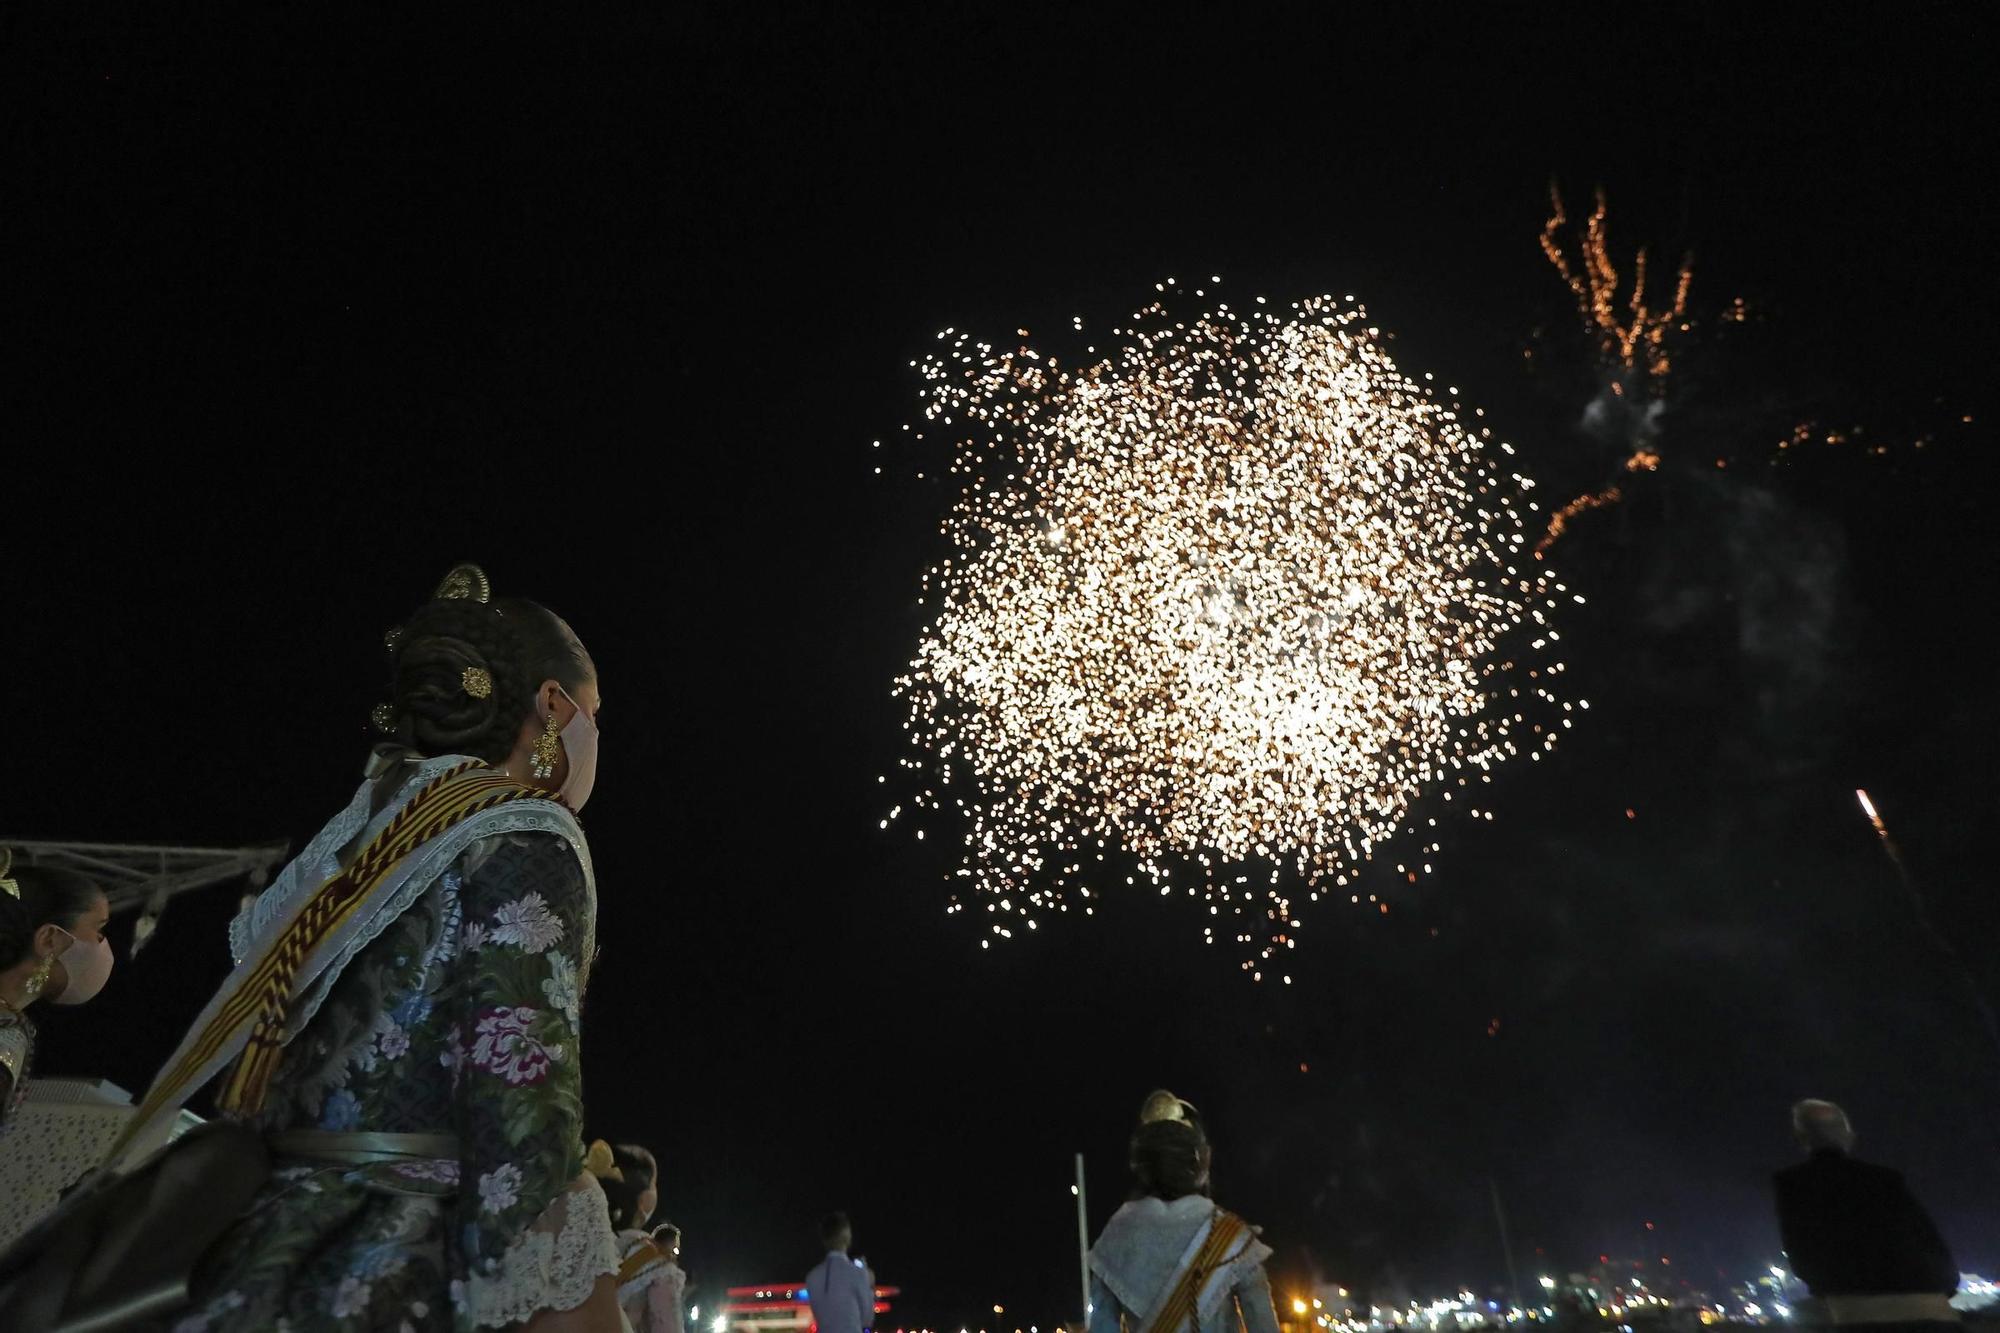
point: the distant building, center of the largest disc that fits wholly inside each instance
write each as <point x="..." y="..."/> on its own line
<point x="780" y="1307"/>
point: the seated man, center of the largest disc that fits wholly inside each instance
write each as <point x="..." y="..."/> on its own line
<point x="1855" y="1234"/>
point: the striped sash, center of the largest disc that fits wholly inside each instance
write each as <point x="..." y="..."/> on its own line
<point x="646" y="1255"/>
<point x="247" y="1016"/>
<point x="1210" y="1250"/>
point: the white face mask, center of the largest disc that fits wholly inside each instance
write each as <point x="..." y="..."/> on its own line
<point x="88" y="966"/>
<point x="579" y="742"/>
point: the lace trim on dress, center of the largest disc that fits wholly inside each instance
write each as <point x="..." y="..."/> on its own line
<point x="433" y="859"/>
<point x="321" y="858"/>
<point x="1214" y="1296"/>
<point x="551" y="1266"/>
<point x="635" y="1281"/>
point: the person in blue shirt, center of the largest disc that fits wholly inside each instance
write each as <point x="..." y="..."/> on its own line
<point x="841" y="1290"/>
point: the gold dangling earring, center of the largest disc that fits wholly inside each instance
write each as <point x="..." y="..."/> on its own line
<point x="547" y="750"/>
<point x="37" y="980"/>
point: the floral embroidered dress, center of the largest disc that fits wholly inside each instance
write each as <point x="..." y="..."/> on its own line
<point x="17" y="1054"/>
<point x="460" y="1018"/>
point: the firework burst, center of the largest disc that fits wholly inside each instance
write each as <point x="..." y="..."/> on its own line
<point x="1219" y="606"/>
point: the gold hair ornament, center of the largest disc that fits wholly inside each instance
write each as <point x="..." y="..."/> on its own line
<point x="466" y="582"/>
<point x="384" y="717"/>
<point x="477" y="682"/>
<point x="600" y="1163"/>
<point x="8" y="886"/>
<point x="1163" y="1105"/>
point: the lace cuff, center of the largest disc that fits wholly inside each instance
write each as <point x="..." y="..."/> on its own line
<point x="550" y="1266"/>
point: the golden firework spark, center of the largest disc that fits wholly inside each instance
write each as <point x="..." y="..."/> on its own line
<point x="1637" y="339"/>
<point x="1559" y="521"/>
<point x="1632" y="346"/>
<point x="1868" y="808"/>
<point x="1220" y="606"/>
<point x="1643" y="459"/>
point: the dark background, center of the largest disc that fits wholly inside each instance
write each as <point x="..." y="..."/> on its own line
<point x="300" y="313"/>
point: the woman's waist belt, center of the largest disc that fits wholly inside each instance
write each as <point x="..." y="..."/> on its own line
<point x="362" y="1148"/>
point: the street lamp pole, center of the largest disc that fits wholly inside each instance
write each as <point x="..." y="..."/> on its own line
<point x="1083" y="1240"/>
<point x="1506" y="1244"/>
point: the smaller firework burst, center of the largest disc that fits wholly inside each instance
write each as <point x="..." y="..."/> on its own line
<point x="1634" y="340"/>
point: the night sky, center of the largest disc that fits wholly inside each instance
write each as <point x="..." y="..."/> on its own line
<point x="301" y="315"/>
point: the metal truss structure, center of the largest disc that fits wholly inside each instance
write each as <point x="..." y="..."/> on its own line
<point x="147" y="877"/>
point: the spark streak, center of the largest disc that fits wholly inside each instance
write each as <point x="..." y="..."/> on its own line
<point x="1633" y="347"/>
<point x="1975" y="998"/>
<point x="1639" y="336"/>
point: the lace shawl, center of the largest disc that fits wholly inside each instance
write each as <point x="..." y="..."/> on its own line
<point x="321" y="857"/>
<point x="1142" y="1245"/>
<point x="320" y="861"/>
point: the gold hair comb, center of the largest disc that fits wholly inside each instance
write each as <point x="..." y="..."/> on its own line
<point x="599" y="1162"/>
<point x="8" y="886"/>
<point x="1163" y="1105"/>
<point x="465" y="582"/>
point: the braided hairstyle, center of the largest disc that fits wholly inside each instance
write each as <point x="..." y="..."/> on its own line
<point x="49" y="896"/>
<point x="639" y="1170"/>
<point x="1169" y="1158"/>
<point x="464" y="673"/>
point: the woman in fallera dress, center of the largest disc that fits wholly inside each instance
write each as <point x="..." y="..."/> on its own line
<point x="52" y="947"/>
<point x="422" y="1101"/>
<point x="651" y="1284"/>
<point x="1170" y="1260"/>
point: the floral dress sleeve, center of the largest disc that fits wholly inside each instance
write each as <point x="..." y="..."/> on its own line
<point x="15" y="1047"/>
<point x="531" y="1228"/>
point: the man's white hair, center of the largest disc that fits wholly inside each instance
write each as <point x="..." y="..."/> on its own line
<point x="1822" y="1125"/>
